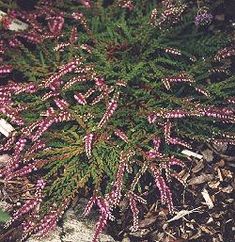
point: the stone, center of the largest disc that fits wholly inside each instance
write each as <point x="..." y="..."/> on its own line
<point x="72" y="230"/>
<point x="82" y="231"/>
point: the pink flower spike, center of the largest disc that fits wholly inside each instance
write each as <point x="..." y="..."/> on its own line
<point x="127" y="4"/>
<point x="31" y="37"/>
<point x="40" y="185"/>
<point x="115" y="195"/>
<point x="176" y="141"/>
<point x="105" y="215"/>
<point x="165" y="193"/>
<point x="173" y="51"/>
<point x="14" y="43"/>
<point x="55" y="24"/>
<point x="73" y="36"/>
<point x="156" y="143"/>
<point x="85" y="3"/>
<point x="225" y="53"/>
<point x="112" y="106"/>
<point x="38" y="145"/>
<point x="135" y="213"/>
<point x="152" y="154"/>
<point x="88" y="144"/>
<point x="61" y="103"/>
<point x="99" y="81"/>
<point x="27" y="207"/>
<point x="174" y="161"/>
<point x="231" y="100"/>
<point x="80" y="98"/>
<point x="46" y="224"/>
<point x="45" y="125"/>
<point x="89" y="205"/>
<point x="5" y="69"/>
<point x="152" y="118"/>
<point x="60" y="47"/>
<point x="167" y="131"/>
<point x="21" y="172"/>
<point x="119" y="133"/>
<point x="133" y="199"/>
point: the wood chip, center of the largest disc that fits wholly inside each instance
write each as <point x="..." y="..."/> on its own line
<point x="220" y="175"/>
<point x="228" y="189"/>
<point x="214" y="184"/>
<point x="227" y="173"/>
<point x="190" y="153"/>
<point x="207" y="198"/>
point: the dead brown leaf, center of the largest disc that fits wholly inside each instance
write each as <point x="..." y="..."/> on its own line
<point x="208" y="155"/>
<point x="146" y="222"/>
<point x="200" y="179"/>
<point x="199" y="166"/>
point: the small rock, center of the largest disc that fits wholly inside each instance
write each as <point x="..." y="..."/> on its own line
<point x="72" y="230"/>
<point x="82" y="231"/>
<point x="54" y="236"/>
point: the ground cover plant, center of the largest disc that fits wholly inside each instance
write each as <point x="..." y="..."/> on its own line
<point x="103" y="97"/>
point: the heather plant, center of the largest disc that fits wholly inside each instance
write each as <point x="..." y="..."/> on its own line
<point x="103" y="97"/>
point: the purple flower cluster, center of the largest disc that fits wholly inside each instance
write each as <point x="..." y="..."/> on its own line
<point x="203" y="18"/>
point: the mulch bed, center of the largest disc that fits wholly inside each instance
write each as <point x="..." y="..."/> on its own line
<point x="204" y="208"/>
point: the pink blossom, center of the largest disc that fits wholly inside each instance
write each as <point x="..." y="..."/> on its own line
<point x="80" y="98"/>
<point x="165" y="193"/>
<point x="88" y="144"/>
<point x="119" y="133"/>
<point x="112" y="106"/>
<point x="5" y="69"/>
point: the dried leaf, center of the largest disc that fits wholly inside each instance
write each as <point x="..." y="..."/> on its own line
<point x="147" y="221"/>
<point x="214" y="184"/>
<point x="199" y="166"/>
<point x="208" y="155"/>
<point x="221" y="147"/>
<point x="201" y="179"/>
<point x="228" y="189"/>
<point x="197" y="235"/>
<point x="183" y="213"/>
<point x="227" y="173"/>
